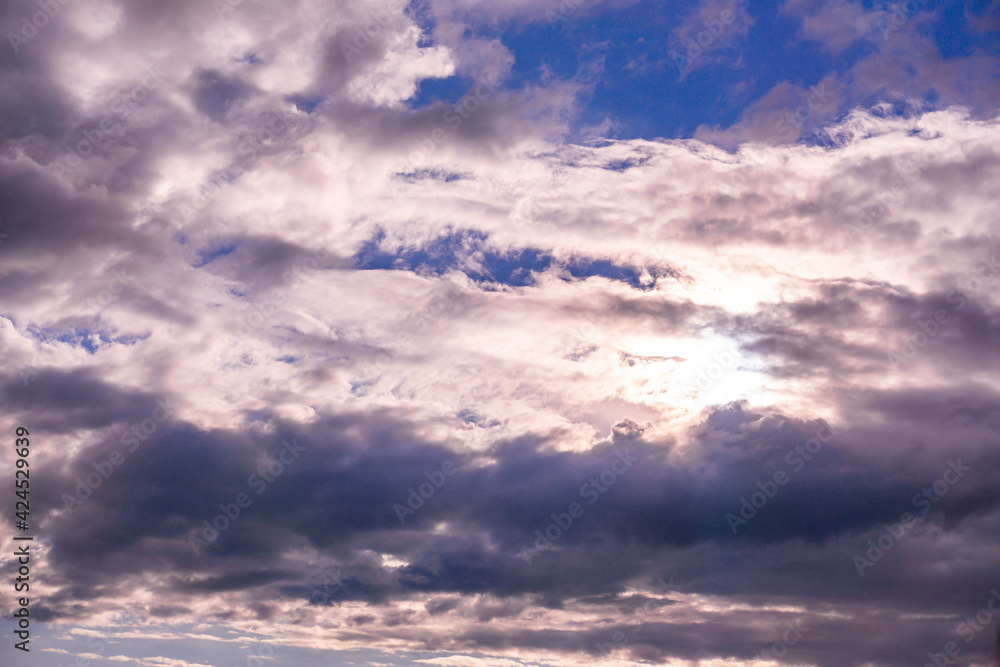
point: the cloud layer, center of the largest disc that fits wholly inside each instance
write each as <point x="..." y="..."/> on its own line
<point x="315" y="365"/>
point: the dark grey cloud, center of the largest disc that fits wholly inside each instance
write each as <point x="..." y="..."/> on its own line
<point x="669" y="509"/>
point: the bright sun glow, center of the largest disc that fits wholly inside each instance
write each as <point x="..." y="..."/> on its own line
<point x="691" y="374"/>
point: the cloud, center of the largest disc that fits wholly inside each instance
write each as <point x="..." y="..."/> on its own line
<point x="837" y="25"/>
<point x="293" y="250"/>
<point x="709" y="34"/>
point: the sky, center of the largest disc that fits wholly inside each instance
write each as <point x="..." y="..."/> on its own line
<point x="519" y="333"/>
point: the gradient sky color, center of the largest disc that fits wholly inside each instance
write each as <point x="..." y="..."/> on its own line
<point x="517" y="333"/>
